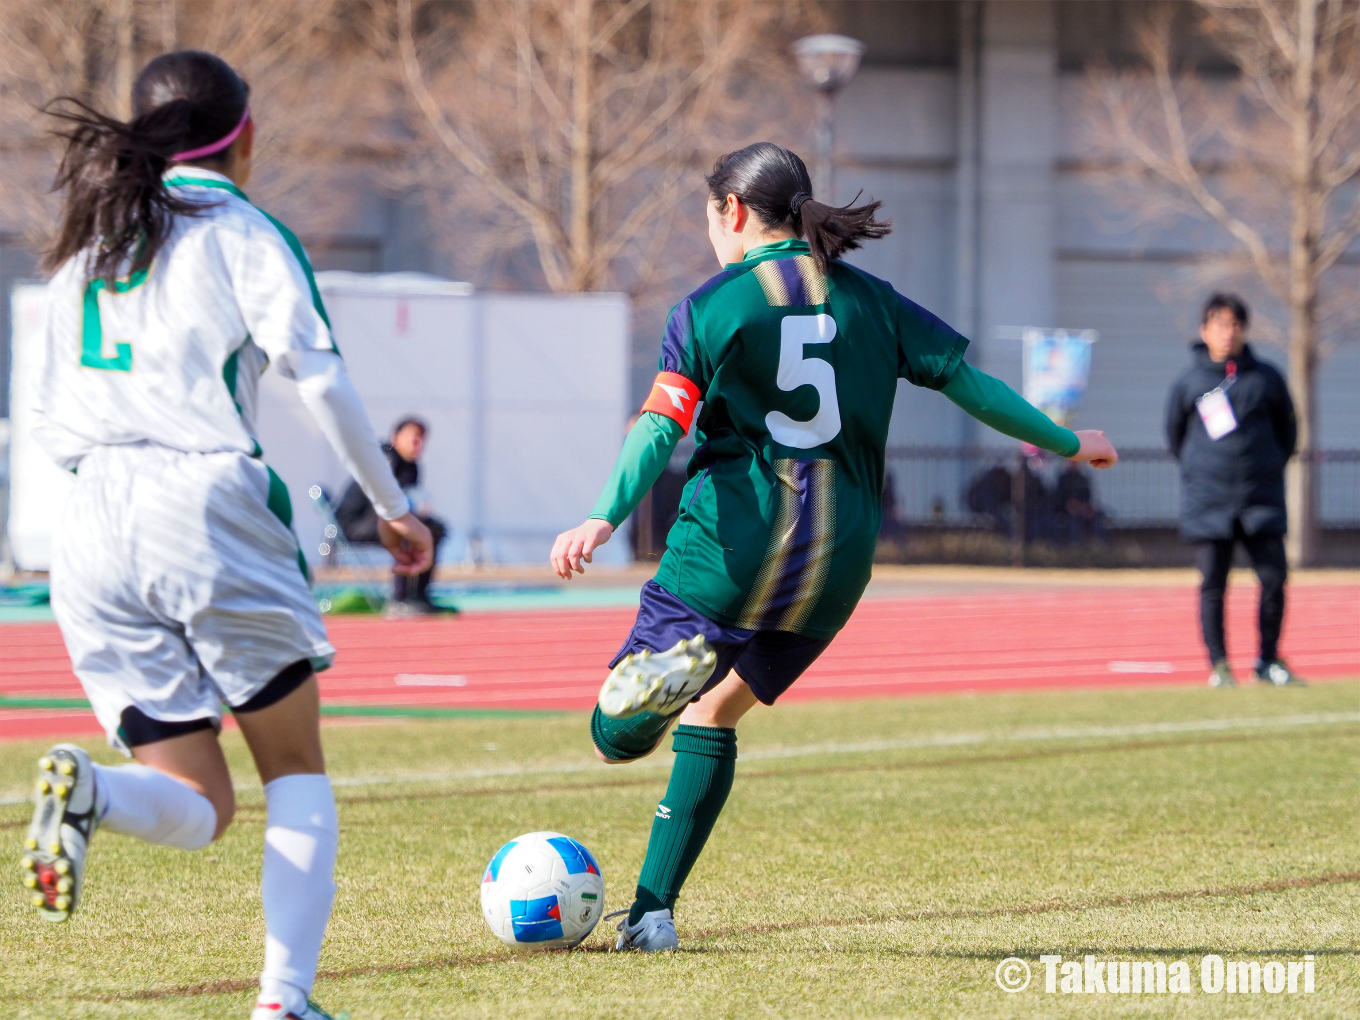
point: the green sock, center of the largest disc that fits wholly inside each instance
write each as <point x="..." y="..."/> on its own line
<point x="624" y="739"/>
<point x="705" y="761"/>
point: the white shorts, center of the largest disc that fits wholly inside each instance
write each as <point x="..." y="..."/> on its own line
<point x="177" y="587"/>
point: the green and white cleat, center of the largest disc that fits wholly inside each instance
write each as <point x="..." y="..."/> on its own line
<point x="1277" y="674"/>
<point x="276" y="1011"/>
<point x="654" y="933"/>
<point x="659" y="682"/>
<point x="53" y="865"/>
<point x="1222" y="675"/>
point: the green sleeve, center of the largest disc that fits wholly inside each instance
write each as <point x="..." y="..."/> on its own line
<point x="928" y="348"/>
<point x="645" y="454"/>
<point x="993" y="403"/>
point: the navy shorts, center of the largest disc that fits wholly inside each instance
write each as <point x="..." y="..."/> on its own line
<point x="768" y="660"/>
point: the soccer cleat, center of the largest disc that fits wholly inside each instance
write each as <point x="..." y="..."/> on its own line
<point x="265" y="1010"/>
<point x="1277" y="674"/>
<point x="53" y="864"/>
<point x="654" y="932"/>
<point x="1222" y="676"/>
<point x="660" y="682"/>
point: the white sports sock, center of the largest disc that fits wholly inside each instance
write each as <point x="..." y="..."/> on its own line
<point x="298" y="888"/>
<point x="140" y="801"/>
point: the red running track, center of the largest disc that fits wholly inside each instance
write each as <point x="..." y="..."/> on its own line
<point x="1038" y="638"/>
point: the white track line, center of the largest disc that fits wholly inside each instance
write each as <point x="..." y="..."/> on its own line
<point x="1056" y="734"/>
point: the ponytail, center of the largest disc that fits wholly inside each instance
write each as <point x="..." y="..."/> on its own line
<point x="832" y="230"/>
<point x="117" y="208"/>
<point x="774" y="182"/>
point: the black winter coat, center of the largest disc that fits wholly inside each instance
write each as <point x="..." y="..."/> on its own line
<point x="1240" y="476"/>
<point x="356" y="515"/>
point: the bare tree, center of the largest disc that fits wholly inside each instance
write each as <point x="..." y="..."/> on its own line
<point x="307" y="61"/>
<point x="578" y="127"/>
<point x="1270" y="155"/>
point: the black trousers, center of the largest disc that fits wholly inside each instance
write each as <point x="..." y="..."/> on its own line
<point x="1268" y="560"/>
<point x="406" y="588"/>
<point x="365" y="529"/>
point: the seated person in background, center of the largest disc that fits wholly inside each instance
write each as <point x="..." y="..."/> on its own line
<point x="1074" y="504"/>
<point x="359" y="521"/>
<point x="990" y="495"/>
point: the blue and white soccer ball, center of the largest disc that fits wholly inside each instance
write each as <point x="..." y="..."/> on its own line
<point x="542" y="891"/>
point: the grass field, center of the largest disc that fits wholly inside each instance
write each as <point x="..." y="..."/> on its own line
<point x="877" y="859"/>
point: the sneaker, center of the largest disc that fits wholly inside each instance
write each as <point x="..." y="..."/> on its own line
<point x="1222" y="676"/>
<point x="1276" y="673"/>
<point x="654" y="932"/>
<point x="406" y="609"/>
<point x="660" y="682"/>
<point x="63" y="822"/>
<point x="276" y="1011"/>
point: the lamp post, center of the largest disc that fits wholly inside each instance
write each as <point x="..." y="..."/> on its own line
<point x="827" y="63"/>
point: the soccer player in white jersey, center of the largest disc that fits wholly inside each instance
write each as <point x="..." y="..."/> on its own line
<point x="176" y="579"/>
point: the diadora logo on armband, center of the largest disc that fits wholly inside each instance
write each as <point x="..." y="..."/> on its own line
<point x="673" y="396"/>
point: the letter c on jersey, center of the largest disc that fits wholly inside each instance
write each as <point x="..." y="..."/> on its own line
<point x="795" y="371"/>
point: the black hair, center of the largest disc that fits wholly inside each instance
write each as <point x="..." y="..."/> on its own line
<point x="116" y="206"/>
<point x="1233" y="303"/>
<point x="417" y="422"/>
<point x="774" y="182"/>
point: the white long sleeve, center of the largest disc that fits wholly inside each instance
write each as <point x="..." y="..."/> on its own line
<point x="327" y="392"/>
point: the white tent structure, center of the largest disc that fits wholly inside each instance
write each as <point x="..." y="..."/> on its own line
<point x="525" y="395"/>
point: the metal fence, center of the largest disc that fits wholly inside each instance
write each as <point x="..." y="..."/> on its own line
<point x="975" y="486"/>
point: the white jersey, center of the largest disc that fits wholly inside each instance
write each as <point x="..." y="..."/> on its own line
<point x="173" y="356"/>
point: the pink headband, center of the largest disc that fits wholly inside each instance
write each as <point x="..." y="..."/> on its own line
<point x="218" y="146"/>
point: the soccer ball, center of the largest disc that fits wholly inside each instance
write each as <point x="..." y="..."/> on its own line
<point x="542" y="891"/>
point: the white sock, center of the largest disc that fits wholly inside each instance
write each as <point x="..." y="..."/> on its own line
<point x="143" y="802"/>
<point x="298" y="888"/>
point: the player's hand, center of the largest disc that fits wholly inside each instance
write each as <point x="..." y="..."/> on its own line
<point x="575" y="547"/>
<point x="1095" y="449"/>
<point x="409" y="542"/>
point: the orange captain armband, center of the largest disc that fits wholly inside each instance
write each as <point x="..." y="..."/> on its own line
<point x="674" y="397"/>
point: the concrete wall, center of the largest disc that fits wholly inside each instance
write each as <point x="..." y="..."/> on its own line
<point x="966" y="120"/>
<point x="979" y="157"/>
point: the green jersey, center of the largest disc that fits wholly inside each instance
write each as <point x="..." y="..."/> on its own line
<point x="798" y="373"/>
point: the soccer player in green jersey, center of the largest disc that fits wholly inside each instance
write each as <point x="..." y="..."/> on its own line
<point x="795" y="356"/>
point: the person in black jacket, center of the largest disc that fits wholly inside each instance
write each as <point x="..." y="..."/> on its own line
<point x="1230" y="423"/>
<point x="359" y="521"/>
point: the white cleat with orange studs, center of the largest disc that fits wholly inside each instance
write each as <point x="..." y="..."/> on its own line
<point x="53" y="864"/>
<point x="659" y="682"/>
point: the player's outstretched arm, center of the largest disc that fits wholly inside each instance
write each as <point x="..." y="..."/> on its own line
<point x="993" y="403"/>
<point x="577" y="546"/>
<point x="325" y="389"/>
<point x="645" y="454"/>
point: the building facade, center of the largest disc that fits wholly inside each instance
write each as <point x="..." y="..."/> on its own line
<point x="967" y="119"/>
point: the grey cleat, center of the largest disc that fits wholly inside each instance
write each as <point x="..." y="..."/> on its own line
<point x="659" y="682"/>
<point x="1277" y="674"/>
<point x="53" y="864"/>
<point x="1222" y="675"/>
<point x="654" y="932"/>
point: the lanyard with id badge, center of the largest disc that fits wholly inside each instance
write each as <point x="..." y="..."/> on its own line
<point x="1214" y="409"/>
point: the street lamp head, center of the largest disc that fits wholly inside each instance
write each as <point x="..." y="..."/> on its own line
<point x="828" y="61"/>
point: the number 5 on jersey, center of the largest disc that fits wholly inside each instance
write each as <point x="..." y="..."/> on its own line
<point x="92" y="353"/>
<point x="795" y="331"/>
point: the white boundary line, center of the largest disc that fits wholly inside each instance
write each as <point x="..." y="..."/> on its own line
<point x="1056" y="733"/>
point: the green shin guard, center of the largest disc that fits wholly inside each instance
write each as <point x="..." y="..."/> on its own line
<point x="627" y="739"/>
<point x="705" y="762"/>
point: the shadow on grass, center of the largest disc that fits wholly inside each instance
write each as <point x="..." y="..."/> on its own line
<point x="236" y="985"/>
